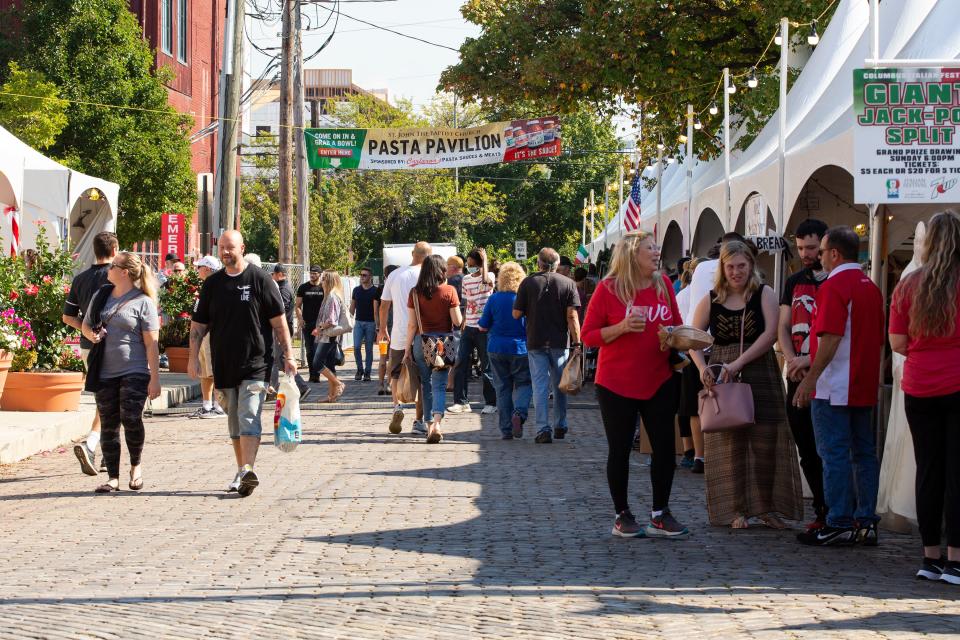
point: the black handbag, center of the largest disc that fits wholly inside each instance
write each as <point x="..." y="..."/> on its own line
<point x="94" y="317"/>
<point x="336" y="357"/>
<point x="439" y="349"/>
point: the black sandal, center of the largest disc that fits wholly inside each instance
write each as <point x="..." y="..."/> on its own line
<point x="107" y="487"/>
<point x="136" y="485"/>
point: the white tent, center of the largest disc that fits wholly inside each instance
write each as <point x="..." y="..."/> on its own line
<point x="819" y="129"/>
<point x="71" y="206"/>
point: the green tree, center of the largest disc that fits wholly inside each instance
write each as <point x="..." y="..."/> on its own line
<point x="655" y="55"/>
<point x="260" y="198"/>
<point x="37" y="120"/>
<point x="120" y="126"/>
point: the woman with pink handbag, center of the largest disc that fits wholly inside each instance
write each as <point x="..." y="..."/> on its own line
<point x="751" y="463"/>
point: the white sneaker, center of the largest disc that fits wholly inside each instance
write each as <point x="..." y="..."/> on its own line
<point x="488" y="409"/>
<point x="235" y="485"/>
<point x="458" y="408"/>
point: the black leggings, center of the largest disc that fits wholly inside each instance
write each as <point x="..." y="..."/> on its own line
<point x="619" y="422"/>
<point x="801" y="426"/>
<point x="935" y="427"/>
<point x="120" y="401"/>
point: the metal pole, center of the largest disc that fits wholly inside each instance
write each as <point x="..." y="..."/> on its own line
<point x="726" y="150"/>
<point x="285" y="150"/>
<point x="782" y="204"/>
<point x="593" y="208"/>
<point x="583" y="236"/>
<point x="688" y="163"/>
<point x="606" y="203"/>
<point x="456" y="170"/>
<point x="659" y="193"/>
<point x="875" y="24"/>
<point x="876" y="243"/>
<point x="300" y="150"/>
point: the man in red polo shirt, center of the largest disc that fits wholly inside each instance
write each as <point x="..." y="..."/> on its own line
<point x="845" y="347"/>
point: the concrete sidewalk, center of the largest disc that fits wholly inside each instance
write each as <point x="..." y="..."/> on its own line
<point x="24" y="433"/>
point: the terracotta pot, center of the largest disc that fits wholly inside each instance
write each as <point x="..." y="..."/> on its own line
<point x="177" y="358"/>
<point x="5" y="359"/>
<point x="36" y="391"/>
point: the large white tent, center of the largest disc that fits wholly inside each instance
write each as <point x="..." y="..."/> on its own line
<point x="819" y="136"/>
<point x="71" y="206"/>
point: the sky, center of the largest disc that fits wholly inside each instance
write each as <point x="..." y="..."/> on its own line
<point x="405" y="67"/>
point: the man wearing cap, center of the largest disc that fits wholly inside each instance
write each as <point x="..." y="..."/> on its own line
<point x="207" y="266"/>
<point x="307" y="307"/>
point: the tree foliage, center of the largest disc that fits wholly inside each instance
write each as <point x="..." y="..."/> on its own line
<point x="37" y="120"/>
<point x="120" y="126"/>
<point x="655" y="55"/>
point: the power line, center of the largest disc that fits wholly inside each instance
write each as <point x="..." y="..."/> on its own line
<point x="389" y="30"/>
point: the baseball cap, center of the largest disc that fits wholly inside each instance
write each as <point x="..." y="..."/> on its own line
<point x="279" y="268"/>
<point x="209" y="262"/>
<point x="315" y="268"/>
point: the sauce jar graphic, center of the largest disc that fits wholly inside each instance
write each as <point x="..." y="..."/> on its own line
<point x="508" y="137"/>
<point x="549" y="130"/>
<point x="520" y="138"/>
<point x="534" y="134"/>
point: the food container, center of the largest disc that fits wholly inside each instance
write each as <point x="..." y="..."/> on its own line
<point x="520" y="138"/>
<point x="549" y="130"/>
<point x="534" y="134"/>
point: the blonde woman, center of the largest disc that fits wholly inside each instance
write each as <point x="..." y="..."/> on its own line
<point x="507" y="349"/>
<point x="634" y="377"/>
<point x="751" y="472"/>
<point x="329" y="318"/>
<point x="925" y="327"/>
<point x="122" y="324"/>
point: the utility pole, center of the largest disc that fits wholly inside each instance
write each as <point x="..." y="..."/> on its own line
<point x="303" y="200"/>
<point x="285" y="150"/>
<point x="225" y="190"/>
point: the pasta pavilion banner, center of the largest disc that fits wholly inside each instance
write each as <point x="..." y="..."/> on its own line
<point x="433" y="148"/>
<point x="905" y="146"/>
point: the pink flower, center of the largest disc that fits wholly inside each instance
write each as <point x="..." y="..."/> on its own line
<point x="14" y="295"/>
<point x="31" y="289"/>
<point x="66" y="288"/>
<point x="47" y="279"/>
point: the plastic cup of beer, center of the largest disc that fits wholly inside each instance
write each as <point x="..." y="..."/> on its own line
<point x="383" y="345"/>
<point x="641" y="314"/>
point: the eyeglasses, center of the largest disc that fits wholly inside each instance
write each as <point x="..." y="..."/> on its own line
<point x="178" y="270"/>
<point x="115" y="266"/>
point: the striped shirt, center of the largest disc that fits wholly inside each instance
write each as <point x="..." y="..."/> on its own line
<point x="476" y="293"/>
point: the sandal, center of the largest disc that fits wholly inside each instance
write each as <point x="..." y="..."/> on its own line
<point x="136" y="484"/>
<point x="434" y="437"/>
<point x="107" y="487"/>
<point x="773" y="521"/>
<point x="340" y="391"/>
<point x="740" y="522"/>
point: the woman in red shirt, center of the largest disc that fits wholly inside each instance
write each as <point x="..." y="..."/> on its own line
<point x="925" y="327"/>
<point x="635" y="377"/>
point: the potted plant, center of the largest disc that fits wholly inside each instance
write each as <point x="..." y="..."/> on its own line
<point x="177" y="297"/>
<point x="42" y="378"/>
<point x="15" y="337"/>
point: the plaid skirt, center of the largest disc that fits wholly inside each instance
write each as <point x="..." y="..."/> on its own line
<point x="753" y="471"/>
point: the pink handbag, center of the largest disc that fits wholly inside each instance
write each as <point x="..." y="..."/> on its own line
<point x="727" y="406"/>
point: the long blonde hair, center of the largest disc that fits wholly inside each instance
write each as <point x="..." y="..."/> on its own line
<point x="729" y="250"/>
<point x="330" y="281"/>
<point x="933" y="287"/>
<point x="624" y="273"/>
<point x="139" y="271"/>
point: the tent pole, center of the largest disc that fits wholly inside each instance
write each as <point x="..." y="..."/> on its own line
<point x="606" y="204"/>
<point x="782" y="205"/>
<point x="593" y="207"/>
<point x="685" y="248"/>
<point x="583" y="236"/>
<point x="656" y="231"/>
<point x="876" y="243"/>
<point x="726" y="150"/>
<point x="620" y="199"/>
<point x="875" y="25"/>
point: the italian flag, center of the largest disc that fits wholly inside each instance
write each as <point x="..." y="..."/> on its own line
<point x="582" y="255"/>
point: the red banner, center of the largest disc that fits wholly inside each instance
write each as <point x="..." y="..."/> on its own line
<point x="173" y="234"/>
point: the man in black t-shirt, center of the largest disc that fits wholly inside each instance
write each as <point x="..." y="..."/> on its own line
<point x="82" y="288"/>
<point x="307" y="305"/>
<point x="365" y="303"/>
<point x="549" y="302"/>
<point x="234" y="305"/>
<point x="796" y="307"/>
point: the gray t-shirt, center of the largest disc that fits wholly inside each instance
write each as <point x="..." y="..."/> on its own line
<point x="124" y="352"/>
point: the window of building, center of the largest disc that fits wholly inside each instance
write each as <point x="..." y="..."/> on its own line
<point x="182" y="23"/>
<point x="264" y="130"/>
<point x="166" y="26"/>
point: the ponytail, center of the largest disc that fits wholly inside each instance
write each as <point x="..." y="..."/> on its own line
<point x="147" y="282"/>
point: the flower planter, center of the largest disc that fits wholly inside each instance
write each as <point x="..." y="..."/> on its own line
<point x="177" y="358"/>
<point x="36" y="391"/>
<point x="5" y="359"/>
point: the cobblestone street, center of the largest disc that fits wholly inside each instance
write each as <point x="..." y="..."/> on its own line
<point x="360" y="534"/>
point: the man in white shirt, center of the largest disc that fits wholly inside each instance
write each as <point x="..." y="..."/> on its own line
<point x="396" y="290"/>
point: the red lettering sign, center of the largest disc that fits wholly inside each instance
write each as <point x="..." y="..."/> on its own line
<point x="173" y="238"/>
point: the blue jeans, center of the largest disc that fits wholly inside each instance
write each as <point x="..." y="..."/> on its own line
<point x="470" y="338"/>
<point x="433" y="383"/>
<point x="511" y="378"/>
<point x="364" y="332"/>
<point x="851" y="473"/>
<point x="310" y="342"/>
<point x="546" y="367"/>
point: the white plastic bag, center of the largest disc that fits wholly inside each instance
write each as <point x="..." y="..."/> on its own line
<point x="286" y="419"/>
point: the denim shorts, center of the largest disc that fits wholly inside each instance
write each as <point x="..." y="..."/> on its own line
<point x="243" y="405"/>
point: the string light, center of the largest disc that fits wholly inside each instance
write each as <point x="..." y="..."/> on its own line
<point x="814" y="38"/>
<point x="670" y="159"/>
<point x="752" y="80"/>
<point x="732" y="89"/>
<point x="650" y="165"/>
<point x="682" y="139"/>
<point x="660" y="145"/>
<point x="697" y="124"/>
<point x="778" y="40"/>
<point x="714" y="110"/>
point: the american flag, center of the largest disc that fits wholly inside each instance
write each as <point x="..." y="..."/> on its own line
<point x="631" y="217"/>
